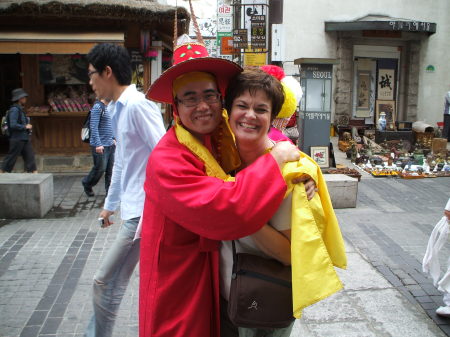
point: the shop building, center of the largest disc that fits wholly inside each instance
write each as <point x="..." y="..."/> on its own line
<point x="42" y="49"/>
<point x="384" y="55"/>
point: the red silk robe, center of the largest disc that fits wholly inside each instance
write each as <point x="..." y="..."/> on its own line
<point x="186" y="214"/>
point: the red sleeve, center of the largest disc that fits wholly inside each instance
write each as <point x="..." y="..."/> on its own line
<point x="208" y="206"/>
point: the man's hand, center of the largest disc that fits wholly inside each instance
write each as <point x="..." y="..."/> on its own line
<point x="28" y="126"/>
<point x="310" y="188"/>
<point x="105" y="214"/>
<point x="99" y="149"/>
<point x="310" y="185"/>
<point x="447" y="214"/>
<point x="284" y="152"/>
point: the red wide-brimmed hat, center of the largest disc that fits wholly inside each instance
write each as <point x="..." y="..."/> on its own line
<point x="189" y="57"/>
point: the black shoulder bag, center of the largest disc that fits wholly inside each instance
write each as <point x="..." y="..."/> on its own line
<point x="260" y="293"/>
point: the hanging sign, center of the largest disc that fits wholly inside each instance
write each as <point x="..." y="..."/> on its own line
<point x="255" y="59"/>
<point x="224" y="23"/>
<point x="385" y="84"/>
<point x="224" y="10"/>
<point x="226" y="46"/>
<point x="258" y="31"/>
<point x="240" y="38"/>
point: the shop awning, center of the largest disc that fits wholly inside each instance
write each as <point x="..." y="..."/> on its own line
<point x="54" y="43"/>
<point x="381" y="23"/>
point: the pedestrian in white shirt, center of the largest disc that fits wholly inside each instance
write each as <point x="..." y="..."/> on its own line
<point x="431" y="265"/>
<point x="137" y="125"/>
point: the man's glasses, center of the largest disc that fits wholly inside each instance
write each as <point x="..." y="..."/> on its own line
<point x="190" y="102"/>
<point x="92" y="73"/>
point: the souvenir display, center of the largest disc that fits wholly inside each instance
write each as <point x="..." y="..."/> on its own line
<point x="426" y="157"/>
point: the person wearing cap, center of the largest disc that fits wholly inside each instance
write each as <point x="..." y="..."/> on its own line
<point x="20" y="134"/>
<point x="255" y="98"/>
<point x="137" y="126"/>
<point x="192" y="203"/>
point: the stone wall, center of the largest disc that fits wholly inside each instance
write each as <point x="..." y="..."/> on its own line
<point x="412" y="79"/>
<point x="343" y="79"/>
<point x="79" y="163"/>
<point x="343" y="74"/>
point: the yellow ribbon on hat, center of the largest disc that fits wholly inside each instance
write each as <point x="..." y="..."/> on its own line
<point x="289" y="104"/>
<point x="193" y="76"/>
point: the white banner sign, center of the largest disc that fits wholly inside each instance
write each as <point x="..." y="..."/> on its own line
<point x="224" y="23"/>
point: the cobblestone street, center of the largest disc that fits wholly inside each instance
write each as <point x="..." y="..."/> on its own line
<point x="46" y="266"/>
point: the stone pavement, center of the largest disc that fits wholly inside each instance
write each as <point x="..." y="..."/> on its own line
<point x="47" y="265"/>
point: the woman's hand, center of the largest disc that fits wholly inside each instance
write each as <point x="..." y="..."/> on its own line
<point x="283" y="152"/>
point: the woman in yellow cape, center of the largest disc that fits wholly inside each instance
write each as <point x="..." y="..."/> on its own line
<point x="316" y="243"/>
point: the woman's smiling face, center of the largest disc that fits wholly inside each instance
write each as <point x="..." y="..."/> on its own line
<point x="250" y="116"/>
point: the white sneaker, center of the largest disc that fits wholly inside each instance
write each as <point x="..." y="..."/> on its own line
<point x="443" y="311"/>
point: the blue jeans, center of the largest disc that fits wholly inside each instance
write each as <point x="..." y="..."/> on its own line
<point x="111" y="280"/>
<point x="103" y="163"/>
<point x="19" y="147"/>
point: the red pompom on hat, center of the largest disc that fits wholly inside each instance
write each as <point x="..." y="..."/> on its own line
<point x="275" y="71"/>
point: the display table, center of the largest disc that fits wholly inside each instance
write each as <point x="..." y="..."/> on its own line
<point x="381" y="136"/>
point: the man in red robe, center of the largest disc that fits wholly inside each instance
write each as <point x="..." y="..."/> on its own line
<point x="191" y="203"/>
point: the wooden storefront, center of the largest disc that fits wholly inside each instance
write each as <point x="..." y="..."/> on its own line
<point x="29" y="46"/>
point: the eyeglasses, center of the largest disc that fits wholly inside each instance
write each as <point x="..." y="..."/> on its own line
<point x="190" y="102"/>
<point x="92" y="73"/>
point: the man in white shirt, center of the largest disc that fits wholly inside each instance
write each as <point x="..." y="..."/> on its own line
<point x="137" y="125"/>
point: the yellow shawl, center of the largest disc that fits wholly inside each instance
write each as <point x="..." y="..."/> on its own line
<point x="316" y="240"/>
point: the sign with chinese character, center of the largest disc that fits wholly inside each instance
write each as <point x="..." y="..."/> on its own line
<point x="224" y="23"/>
<point x="224" y="10"/>
<point x="208" y="27"/>
<point x="240" y="38"/>
<point x="385" y="84"/>
<point x="211" y="47"/>
<point x="255" y="59"/>
<point x="258" y="31"/>
<point x="253" y="17"/>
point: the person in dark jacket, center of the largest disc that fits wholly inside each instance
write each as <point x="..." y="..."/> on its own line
<point x="19" y="134"/>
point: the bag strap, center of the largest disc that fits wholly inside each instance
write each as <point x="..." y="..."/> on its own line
<point x="19" y="113"/>
<point x="264" y="277"/>
<point x="234" y="270"/>
<point x="103" y="112"/>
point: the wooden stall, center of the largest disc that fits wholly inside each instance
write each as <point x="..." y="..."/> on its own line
<point x="51" y="64"/>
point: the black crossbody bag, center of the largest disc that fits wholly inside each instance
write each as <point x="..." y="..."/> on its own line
<point x="260" y="293"/>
